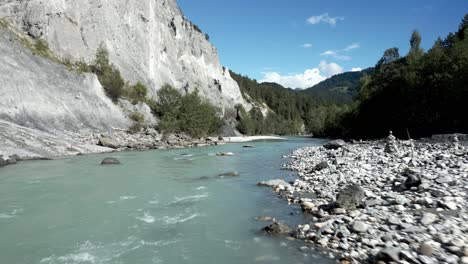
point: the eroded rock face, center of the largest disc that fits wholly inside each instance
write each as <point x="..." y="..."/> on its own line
<point x="41" y="94"/>
<point x="149" y="41"/>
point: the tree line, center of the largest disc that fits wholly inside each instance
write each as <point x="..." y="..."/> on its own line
<point x="423" y="92"/>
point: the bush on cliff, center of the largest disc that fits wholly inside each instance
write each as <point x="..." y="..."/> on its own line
<point x="109" y="76"/>
<point x="187" y="113"/>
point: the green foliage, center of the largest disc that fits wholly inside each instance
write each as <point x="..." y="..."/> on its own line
<point x="4" y="23"/>
<point x="291" y="110"/>
<point x="186" y="113"/>
<point x="425" y="93"/>
<point x="137" y="117"/>
<point x="135" y="128"/>
<point x="138" y="92"/>
<point x="109" y="76"/>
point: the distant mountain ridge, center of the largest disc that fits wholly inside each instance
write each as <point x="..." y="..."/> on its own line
<point x="341" y="88"/>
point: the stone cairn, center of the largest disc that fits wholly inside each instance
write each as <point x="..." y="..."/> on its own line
<point x="455" y="143"/>
<point x="391" y="144"/>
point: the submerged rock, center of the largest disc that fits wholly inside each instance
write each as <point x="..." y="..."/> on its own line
<point x="264" y="218"/>
<point x="110" y="161"/>
<point x="229" y="174"/>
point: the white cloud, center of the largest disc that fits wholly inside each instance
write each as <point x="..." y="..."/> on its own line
<point x="336" y="54"/>
<point x="328" y="53"/>
<point x="352" y="46"/>
<point x="356" y="69"/>
<point x="306" y="45"/>
<point x="325" y="18"/>
<point x="330" y="69"/>
<point x="309" y="78"/>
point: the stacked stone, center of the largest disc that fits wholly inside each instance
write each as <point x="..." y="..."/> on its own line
<point x="391" y="144"/>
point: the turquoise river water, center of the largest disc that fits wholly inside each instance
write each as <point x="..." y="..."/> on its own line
<point x="157" y="207"/>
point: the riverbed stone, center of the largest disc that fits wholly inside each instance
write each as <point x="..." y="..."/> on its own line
<point x="426" y="249"/>
<point x="360" y="227"/>
<point x="404" y="215"/>
<point x="109" y="142"/>
<point x="273" y="183"/>
<point x="350" y="197"/>
<point x="335" y="144"/>
<point x="428" y="218"/>
<point x="277" y="228"/>
<point x="229" y="174"/>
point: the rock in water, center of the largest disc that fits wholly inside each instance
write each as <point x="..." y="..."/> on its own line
<point x="276" y="228"/>
<point x="3" y="161"/>
<point x="110" y="161"/>
<point x="273" y="183"/>
<point x="350" y="197"/>
<point x="335" y="144"/>
<point x="229" y="174"/>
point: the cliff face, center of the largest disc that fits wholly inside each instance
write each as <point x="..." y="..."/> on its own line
<point x="47" y="109"/>
<point x="149" y="40"/>
<point x="41" y="94"/>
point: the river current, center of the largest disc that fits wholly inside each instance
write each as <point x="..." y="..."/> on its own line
<point x="157" y="207"/>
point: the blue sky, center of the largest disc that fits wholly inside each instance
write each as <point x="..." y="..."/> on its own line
<point x="301" y="42"/>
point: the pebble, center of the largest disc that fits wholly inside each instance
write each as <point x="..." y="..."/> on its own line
<point x="426" y="249"/>
<point x="428" y="219"/>
<point x="360" y="227"/>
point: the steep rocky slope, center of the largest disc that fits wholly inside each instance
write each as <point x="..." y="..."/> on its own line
<point x="48" y="109"/>
<point x="149" y="41"/>
<point x="45" y="108"/>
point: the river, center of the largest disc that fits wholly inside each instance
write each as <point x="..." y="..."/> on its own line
<point x="157" y="207"/>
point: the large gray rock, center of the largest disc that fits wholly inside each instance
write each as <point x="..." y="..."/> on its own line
<point x="109" y="142"/>
<point x="110" y="161"/>
<point x="335" y="144"/>
<point x="350" y="197"/>
<point x="277" y="228"/>
<point x="273" y="183"/>
<point x="148" y="40"/>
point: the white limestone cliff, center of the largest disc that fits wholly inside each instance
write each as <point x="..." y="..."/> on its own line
<point x="149" y="41"/>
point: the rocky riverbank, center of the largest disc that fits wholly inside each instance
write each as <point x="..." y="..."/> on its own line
<point x="94" y="142"/>
<point x="383" y="201"/>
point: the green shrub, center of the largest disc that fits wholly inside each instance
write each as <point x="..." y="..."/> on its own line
<point x="137" y="93"/>
<point x="41" y="47"/>
<point x="135" y="128"/>
<point x="186" y="113"/>
<point x="137" y="117"/>
<point x="109" y="76"/>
